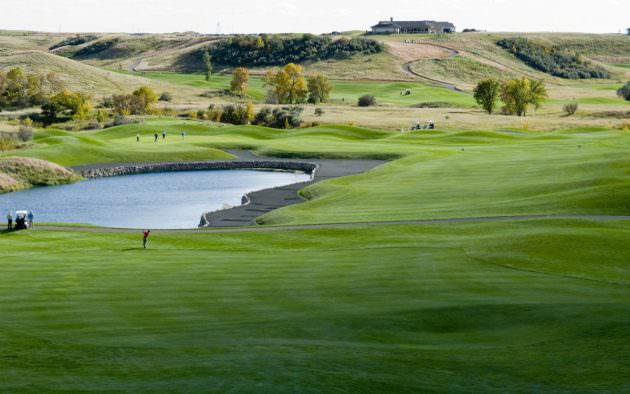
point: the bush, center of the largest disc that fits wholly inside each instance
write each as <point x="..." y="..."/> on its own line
<point x="166" y="96"/>
<point x="25" y="134"/>
<point x="367" y="101"/>
<point x="570" y="109"/>
<point x="552" y="60"/>
<point x="73" y="41"/>
<point x="624" y="92"/>
<point x="319" y="112"/>
<point x="97" y="48"/>
<point x="279" y="118"/>
<point x="272" y="50"/>
<point x="7" y="143"/>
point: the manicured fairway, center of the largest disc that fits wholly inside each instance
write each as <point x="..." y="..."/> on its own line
<point x="344" y="91"/>
<point x="533" y="306"/>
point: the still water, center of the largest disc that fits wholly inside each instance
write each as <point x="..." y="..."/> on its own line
<point x="168" y="200"/>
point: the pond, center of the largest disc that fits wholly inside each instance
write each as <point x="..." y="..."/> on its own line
<point x="167" y="200"/>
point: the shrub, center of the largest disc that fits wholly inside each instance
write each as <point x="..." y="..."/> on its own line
<point x="166" y="96"/>
<point x="367" y="101"/>
<point x="319" y="112"/>
<point x="624" y="92"/>
<point x="272" y="50"/>
<point x="570" y="109"/>
<point x="279" y="118"/>
<point x="73" y="41"/>
<point x="7" y="143"/>
<point x="25" y="134"/>
<point x="97" y="48"/>
<point x="552" y="60"/>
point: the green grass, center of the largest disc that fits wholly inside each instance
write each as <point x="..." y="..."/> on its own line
<point x="71" y="149"/>
<point x="512" y="307"/>
<point x="346" y="91"/>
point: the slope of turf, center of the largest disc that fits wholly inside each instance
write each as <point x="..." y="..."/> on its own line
<point x="70" y="149"/>
<point x="440" y="308"/>
<point x="343" y="91"/>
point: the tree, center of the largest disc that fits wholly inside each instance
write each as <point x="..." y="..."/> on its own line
<point x="249" y="112"/>
<point x="147" y="98"/>
<point x="288" y="84"/>
<point x="15" y="93"/>
<point x="319" y="88"/>
<point x="74" y="104"/>
<point x="240" y="79"/>
<point x="519" y="94"/>
<point x="624" y="92"/>
<point x="207" y="62"/>
<point x="486" y="94"/>
<point x="127" y="104"/>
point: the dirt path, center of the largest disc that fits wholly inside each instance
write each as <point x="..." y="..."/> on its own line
<point x="407" y="67"/>
<point x="341" y="225"/>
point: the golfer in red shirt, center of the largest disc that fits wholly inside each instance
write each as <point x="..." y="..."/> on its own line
<point x="145" y="237"/>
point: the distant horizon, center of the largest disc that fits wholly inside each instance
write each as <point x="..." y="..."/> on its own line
<point x="298" y="16"/>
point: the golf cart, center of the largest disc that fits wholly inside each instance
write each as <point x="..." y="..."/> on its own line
<point x="21" y="220"/>
<point x="429" y="125"/>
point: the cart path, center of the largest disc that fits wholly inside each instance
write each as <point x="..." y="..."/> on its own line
<point x="487" y="219"/>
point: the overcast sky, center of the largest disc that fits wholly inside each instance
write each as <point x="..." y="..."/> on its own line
<point x="254" y="16"/>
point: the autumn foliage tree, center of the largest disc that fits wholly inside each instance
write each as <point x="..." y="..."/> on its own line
<point x="319" y="88"/>
<point x="288" y="85"/>
<point x="240" y="80"/>
<point x="519" y="94"/>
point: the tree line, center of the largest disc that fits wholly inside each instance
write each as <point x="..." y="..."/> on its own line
<point x="287" y="85"/>
<point x="517" y="95"/>
<point x="552" y="60"/>
<point x="273" y="50"/>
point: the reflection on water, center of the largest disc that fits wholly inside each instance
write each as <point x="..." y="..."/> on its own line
<point x="159" y="201"/>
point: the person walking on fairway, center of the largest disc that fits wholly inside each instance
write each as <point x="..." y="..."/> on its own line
<point x="9" y="221"/>
<point x="163" y="134"/>
<point x="138" y="137"/>
<point x="145" y="238"/>
<point x="30" y="218"/>
<point x="155" y="137"/>
<point x="183" y="135"/>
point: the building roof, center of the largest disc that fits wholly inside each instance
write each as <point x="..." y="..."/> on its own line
<point x="416" y="25"/>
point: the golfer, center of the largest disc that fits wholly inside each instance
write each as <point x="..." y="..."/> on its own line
<point x="30" y="218"/>
<point x="145" y="238"/>
<point x="9" y="221"/>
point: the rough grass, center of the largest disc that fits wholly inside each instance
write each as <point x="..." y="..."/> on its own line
<point x="346" y="92"/>
<point x="21" y="173"/>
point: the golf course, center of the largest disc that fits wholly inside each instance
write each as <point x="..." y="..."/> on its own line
<point x="330" y="295"/>
<point x="387" y="211"/>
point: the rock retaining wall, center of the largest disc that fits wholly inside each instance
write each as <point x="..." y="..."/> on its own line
<point x="91" y="173"/>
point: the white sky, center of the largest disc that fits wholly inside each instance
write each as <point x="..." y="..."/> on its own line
<point x="316" y="16"/>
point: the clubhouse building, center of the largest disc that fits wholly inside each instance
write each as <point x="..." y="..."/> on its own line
<point x="412" y="27"/>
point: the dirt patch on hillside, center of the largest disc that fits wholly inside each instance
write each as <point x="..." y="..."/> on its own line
<point x="409" y="52"/>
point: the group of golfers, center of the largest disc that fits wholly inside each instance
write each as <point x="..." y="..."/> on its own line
<point x="156" y="136"/>
<point x="21" y="220"/>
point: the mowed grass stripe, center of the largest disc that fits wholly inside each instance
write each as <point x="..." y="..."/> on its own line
<point x="389" y="308"/>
